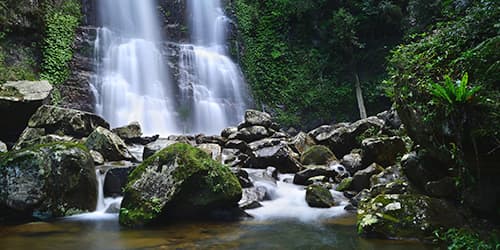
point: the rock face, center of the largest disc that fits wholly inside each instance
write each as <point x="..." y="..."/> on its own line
<point x="318" y="196"/>
<point x="178" y="182"/>
<point x="317" y="155"/>
<point x="71" y="122"/>
<point x="129" y="132"/>
<point x="47" y="181"/>
<point x="21" y="98"/>
<point x="361" y="179"/>
<point x="256" y="118"/>
<point x="405" y="216"/>
<point x="108" y="144"/>
<point x="275" y="153"/>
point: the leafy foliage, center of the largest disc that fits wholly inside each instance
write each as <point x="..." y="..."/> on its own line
<point x="61" y="24"/>
<point x="299" y="56"/>
<point x="463" y="239"/>
<point x="452" y="93"/>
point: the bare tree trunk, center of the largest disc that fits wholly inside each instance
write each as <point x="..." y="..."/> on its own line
<point x="359" y="97"/>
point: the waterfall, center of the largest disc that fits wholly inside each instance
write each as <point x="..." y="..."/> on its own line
<point x="212" y="85"/>
<point x="133" y="81"/>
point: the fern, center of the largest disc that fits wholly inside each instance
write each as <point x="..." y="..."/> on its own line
<point x="454" y="93"/>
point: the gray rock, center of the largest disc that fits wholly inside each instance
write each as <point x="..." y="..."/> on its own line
<point x="303" y="177"/>
<point x="228" y="131"/>
<point x="279" y="156"/>
<point x="21" y="98"/>
<point x="129" y="132"/>
<point x="116" y="178"/>
<point x="444" y="188"/>
<point x="352" y="162"/>
<point x="212" y="139"/>
<point x="237" y="144"/>
<point x="97" y="157"/>
<point x="317" y="155"/>
<point x="153" y="147"/>
<point x="361" y="178"/>
<point x="251" y="198"/>
<point x="383" y="151"/>
<point x="256" y="118"/>
<point x="112" y="147"/>
<point x="69" y="122"/>
<point x="250" y="134"/>
<point x="301" y="142"/>
<point x="243" y="177"/>
<point x="44" y="139"/>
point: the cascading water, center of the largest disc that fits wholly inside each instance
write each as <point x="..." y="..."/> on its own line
<point x="133" y="83"/>
<point x="211" y="84"/>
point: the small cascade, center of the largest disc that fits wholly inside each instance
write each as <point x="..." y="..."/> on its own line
<point x="287" y="202"/>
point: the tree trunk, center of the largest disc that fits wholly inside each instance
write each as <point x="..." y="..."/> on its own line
<point x="359" y="97"/>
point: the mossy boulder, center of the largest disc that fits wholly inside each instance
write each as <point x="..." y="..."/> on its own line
<point x="178" y="182"/>
<point x="317" y="155"/>
<point x="112" y="147"/>
<point x="46" y="181"/>
<point x="318" y="196"/>
<point x="405" y="216"/>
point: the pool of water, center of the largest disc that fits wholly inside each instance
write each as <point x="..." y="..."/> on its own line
<point x="104" y="232"/>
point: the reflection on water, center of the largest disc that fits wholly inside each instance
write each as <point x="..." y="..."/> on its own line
<point x="79" y="233"/>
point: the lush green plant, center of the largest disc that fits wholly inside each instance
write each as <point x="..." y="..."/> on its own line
<point x="463" y="239"/>
<point x="454" y="92"/>
<point x="60" y="26"/>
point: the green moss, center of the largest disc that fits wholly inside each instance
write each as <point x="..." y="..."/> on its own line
<point x="317" y="155"/>
<point x="344" y="184"/>
<point x="9" y="92"/>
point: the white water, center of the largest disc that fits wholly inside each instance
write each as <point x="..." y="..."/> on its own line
<point x="288" y="202"/>
<point x="133" y="82"/>
<point x="212" y="86"/>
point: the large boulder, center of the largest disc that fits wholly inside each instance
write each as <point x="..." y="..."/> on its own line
<point x="383" y="150"/>
<point x="256" y="118"/>
<point x="317" y="155"/>
<point x="301" y="142"/>
<point x="275" y="153"/>
<point x="47" y="181"/>
<point x="21" y="98"/>
<point x="115" y="179"/>
<point x="250" y="134"/>
<point x="108" y="144"/>
<point x="303" y="177"/>
<point x="180" y="181"/>
<point x="214" y="150"/>
<point x="405" y="216"/>
<point x="129" y="132"/>
<point x="352" y="162"/>
<point x="320" y="197"/>
<point x="62" y="121"/>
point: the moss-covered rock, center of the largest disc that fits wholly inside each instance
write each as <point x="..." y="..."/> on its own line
<point x="319" y="196"/>
<point x="46" y="181"/>
<point x="180" y="181"/>
<point x="405" y="216"/>
<point x="344" y="185"/>
<point x="317" y="155"/>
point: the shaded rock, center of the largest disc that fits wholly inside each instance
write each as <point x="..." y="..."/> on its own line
<point x="153" y="147"/>
<point x="317" y="155"/>
<point x="29" y="134"/>
<point x="318" y="196"/>
<point x="444" y="188"/>
<point x="243" y="177"/>
<point x="44" y="139"/>
<point x="279" y="156"/>
<point x="256" y="118"/>
<point x="63" y="121"/>
<point x="383" y="151"/>
<point x="129" y="132"/>
<point x="421" y="169"/>
<point x="55" y="180"/>
<point x="303" y="177"/>
<point x="405" y="216"/>
<point x="3" y="147"/>
<point x="143" y="140"/>
<point x="178" y="182"/>
<point x="116" y="178"/>
<point x="352" y="162"/>
<point x="21" y="98"/>
<point x="212" y="139"/>
<point x="228" y="131"/>
<point x="213" y="150"/>
<point x="391" y="119"/>
<point x="250" y="134"/>
<point x="388" y="175"/>
<point x="361" y="179"/>
<point x="188" y="139"/>
<point x="108" y="144"/>
<point x="238" y="144"/>
<point x="301" y="142"/>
